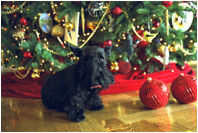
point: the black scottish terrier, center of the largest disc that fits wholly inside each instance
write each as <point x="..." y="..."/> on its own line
<point x="77" y="86"/>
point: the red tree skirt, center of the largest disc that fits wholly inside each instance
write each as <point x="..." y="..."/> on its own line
<point x="30" y="88"/>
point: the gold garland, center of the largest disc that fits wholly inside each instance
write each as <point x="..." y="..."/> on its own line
<point x="21" y="76"/>
<point x="51" y="51"/>
<point x="185" y="51"/>
<point x="133" y="27"/>
<point x="14" y="10"/>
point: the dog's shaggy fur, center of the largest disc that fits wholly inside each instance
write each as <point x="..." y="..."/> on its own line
<point x="77" y="86"/>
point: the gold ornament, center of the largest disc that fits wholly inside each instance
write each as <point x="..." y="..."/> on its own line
<point x="21" y="68"/>
<point x="173" y="48"/>
<point x="189" y="45"/>
<point x="92" y="25"/>
<point x="57" y="20"/>
<point x="57" y="30"/>
<point x="161" y="50"/>
<point x="83" y="19"/>
<point x="35" y="75"/>
<point x="114" y="66"/>
<point x="36" y="70"/>
<point x="69" y="26"/>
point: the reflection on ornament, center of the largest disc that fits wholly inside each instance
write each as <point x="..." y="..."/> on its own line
<point x="92" y="25"/>
<point x="182" y="23"/>
<point x="45" y="23"/>
<point x="57" y="30"/>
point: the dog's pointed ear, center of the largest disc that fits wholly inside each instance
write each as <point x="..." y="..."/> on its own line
<point x="107" y="50"/>
<point x="77" y="51"/>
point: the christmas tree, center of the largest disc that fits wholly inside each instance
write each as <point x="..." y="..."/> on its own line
<point x="37" y="34"/>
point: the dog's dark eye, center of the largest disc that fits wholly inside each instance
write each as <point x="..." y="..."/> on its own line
<point x="101" y="59"/>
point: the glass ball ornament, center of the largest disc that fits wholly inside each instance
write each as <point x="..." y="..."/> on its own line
<point x="154" y="93"/>
<point x="184" y="89"/>
<point x="45" y="23"/>
<point x="116" y="11"/>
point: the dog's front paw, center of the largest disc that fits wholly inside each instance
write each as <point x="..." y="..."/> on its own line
<point x="78" y="118"/>
<point x="95" y="108"/>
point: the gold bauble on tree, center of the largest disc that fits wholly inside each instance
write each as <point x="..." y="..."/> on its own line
<point x="92" y="25"/>
<point x="69" y="26"/>
<point x="57" y="30"/>
<point x="35" y="75"/>
<point x="173" y="47"/>
<point x="161" y="50"/>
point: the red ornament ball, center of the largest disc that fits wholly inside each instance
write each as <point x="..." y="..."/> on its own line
<point x="61" y="59"/>
<point x="184" y="89"/>
<point x="23" y="21"/>
<point x="155" y="23"/>
<point x="141" y="44"/>
<point x="109" y="43"/>
<point x="101" y="45"/>
<point x="167" y="3"/>
<point x="124" y="67"/>
<point x="154" y="93"/>
<point x="76" y="2"/>
<point x="116" y="11"/>
<point x="27" y="55"/>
